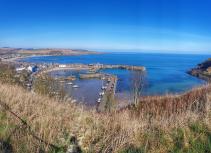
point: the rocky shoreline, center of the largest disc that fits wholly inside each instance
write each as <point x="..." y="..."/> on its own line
<point x="202" y="71"/>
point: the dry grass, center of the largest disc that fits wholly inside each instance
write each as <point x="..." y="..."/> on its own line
<point x="50" y="119"/>
<point x="157" y="124"/>
<point x="194" y="100"/>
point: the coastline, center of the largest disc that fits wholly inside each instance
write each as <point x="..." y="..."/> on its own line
<point x="15" y="59"/>
<point x="19" y="63"/>
<point x="13" y="54"/>
<point x="46" y="68"/>
<point x="202" y="71"/>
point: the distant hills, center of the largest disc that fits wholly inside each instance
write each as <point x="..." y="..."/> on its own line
<point x="44" y="51"/>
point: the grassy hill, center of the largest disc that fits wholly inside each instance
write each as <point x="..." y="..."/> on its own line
<point x="51" y="125"/>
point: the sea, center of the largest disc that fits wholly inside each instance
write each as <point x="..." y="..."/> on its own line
<point x="165" y="73"/>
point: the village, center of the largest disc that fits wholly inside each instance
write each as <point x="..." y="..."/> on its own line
<point x="92" y="72"/>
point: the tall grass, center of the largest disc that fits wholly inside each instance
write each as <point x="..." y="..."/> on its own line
<point x="157" y="124"/>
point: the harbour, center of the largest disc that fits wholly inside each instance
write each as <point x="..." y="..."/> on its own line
<point x="78" y="74"/>
<point x="108" y="81"/>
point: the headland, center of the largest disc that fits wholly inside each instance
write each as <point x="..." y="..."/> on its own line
<point x="202" y="71"/>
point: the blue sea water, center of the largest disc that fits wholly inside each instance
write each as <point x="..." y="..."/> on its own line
<point x="166" y="73"/>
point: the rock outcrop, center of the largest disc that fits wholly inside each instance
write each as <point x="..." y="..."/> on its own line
<point x="202" y="71"/>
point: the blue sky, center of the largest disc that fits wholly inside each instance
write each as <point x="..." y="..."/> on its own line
<point x="181" y="26"/>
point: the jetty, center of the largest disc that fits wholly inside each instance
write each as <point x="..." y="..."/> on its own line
<point x="106" y="96"/>
<point x="92" y="68"/>
<point x="70" y="78"/>
<point x="127" y="67"/>
<point x="91" y="75"/>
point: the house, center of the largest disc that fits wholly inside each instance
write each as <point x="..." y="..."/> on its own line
<point x="32" y="68"/>
<point x="62" y="65"/>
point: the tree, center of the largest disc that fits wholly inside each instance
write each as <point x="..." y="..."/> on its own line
<point x="138" y="81"/>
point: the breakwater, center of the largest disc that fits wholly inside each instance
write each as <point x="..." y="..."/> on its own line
<point x="89" y="76"/>
<point x="106" y="100"/>
<point x="90" y="67"/>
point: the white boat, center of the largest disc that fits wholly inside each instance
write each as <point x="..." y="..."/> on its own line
<point x="75" y="86"/>
<point x="101" y="93"/>
<point x="70" y="83"/>
<point x="104" y="87"/>
<point x="99" y="100"/>
<point x="74" y="101"/>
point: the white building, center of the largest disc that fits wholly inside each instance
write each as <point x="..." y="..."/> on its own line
<point x="20" y="69"/>
<point x="62" y="65"/>
<point x="32" y="68"/>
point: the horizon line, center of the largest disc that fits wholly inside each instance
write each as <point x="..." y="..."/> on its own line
<point x="115" y="50"/>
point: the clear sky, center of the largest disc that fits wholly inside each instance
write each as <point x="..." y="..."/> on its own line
<point x="182" y="26"/>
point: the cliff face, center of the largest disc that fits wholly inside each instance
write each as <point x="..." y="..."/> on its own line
<point x="203" y="70"/>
